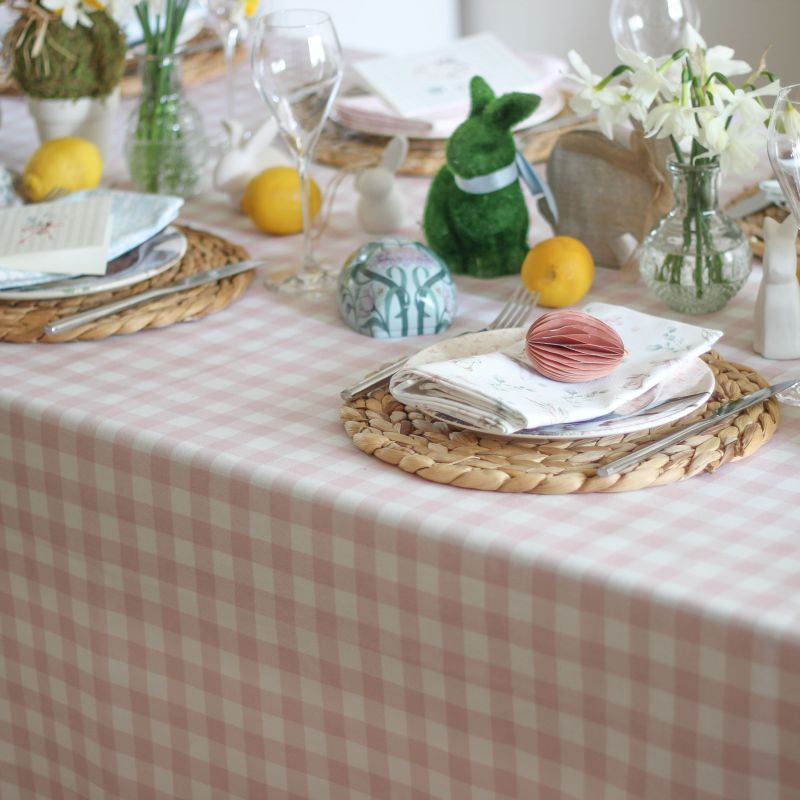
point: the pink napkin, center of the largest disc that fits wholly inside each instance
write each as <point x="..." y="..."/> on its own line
<point x="573" y="346"/>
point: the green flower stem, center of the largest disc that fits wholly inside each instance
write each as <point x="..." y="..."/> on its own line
<point x="698" y="242"/>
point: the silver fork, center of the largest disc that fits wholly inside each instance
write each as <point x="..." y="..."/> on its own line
<point x="514" y="313"/>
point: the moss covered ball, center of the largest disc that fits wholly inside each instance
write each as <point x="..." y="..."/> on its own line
<point x="74" y="62"/>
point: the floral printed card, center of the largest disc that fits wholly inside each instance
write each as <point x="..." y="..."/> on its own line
<point x="437" y="81"/>
<point x="63" y="238"/>
<point x="499" y="391"/>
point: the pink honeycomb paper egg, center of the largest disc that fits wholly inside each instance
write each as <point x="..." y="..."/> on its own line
<point x="573" y="346"/>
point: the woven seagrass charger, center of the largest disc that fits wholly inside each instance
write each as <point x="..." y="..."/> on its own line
<point x="24" y="320"/>
<point x="339" y="146"/>
<point x="386" y="429"/>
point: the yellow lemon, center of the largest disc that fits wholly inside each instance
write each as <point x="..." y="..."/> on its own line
<point x="250" y="7"/>
<point x="561" y="268"/>
<point x="272" y="200"/>
<point x="62" y="165"/>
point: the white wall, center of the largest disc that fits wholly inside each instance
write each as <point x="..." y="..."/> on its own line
<point x="556" y="26"/>
<point x="386" y="26"/>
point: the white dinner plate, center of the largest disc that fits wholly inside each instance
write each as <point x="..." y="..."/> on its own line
<point x="552" y="102"/>
<point x="689" y="389"/>
<point x="151" y="258"/>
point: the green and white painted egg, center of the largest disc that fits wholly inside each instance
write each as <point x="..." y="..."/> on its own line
<point x="396" y="287"/>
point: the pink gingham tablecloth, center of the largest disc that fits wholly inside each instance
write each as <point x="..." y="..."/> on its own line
<point x="208" y="592"/>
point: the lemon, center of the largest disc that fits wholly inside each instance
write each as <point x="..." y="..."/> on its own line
<point x="62" y="165"/>
<point x="272" y="200"/>
<point x="561" y="268"/>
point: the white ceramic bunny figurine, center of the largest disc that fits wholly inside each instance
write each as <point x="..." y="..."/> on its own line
<point x="777" y="316"/>
<point x="381" y="207"/>
<point x="246" y="157"/>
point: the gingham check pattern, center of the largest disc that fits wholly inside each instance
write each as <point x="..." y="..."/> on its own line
<point x="208" y="592"/>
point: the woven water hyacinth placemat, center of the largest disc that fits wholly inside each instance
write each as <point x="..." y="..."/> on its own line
<point x="384" y="428"/>
<point x="339" y="146"/>
<point x="24" y="320"/>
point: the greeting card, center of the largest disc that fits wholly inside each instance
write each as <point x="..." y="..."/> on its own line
<point x="65" y="238"/>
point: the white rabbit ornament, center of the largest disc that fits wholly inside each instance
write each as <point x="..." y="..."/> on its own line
<point x="246" y="157"/>
<point x="381" y="206"/>
<point x="777" y="315"/>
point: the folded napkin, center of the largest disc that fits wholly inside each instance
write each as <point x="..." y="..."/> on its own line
<point x="498" y="391"/>
<point x="135" y="218"/>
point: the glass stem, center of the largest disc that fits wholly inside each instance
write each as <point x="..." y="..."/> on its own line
<point x="309" y="263"/>
<point x="231" y="39"/>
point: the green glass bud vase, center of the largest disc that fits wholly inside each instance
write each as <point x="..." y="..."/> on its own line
<point x="697" y="258"/>
<point x="166" y="146"/>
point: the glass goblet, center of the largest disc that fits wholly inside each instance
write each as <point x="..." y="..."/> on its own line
<point x="230" y="21"/>
<point x="652" y="27"/>
<point x="297" y="67"/>
<point x="783" y="144"/>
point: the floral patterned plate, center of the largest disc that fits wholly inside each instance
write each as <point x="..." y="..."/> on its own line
<point x="681" y="395"/>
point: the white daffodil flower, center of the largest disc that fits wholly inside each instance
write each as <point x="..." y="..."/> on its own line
<point x="648" y="79"/>
<point x="673" y="118"/>
<point x="583" y="74"/>
<point x="692" y="40"/>
<point x="72" y="12"/>
<point x="720" y="59"/>
<point x="743" y="148"/>
<point x="611" y="102"/>
<point x="790" y="121"/>
<point x="744" y="104"/>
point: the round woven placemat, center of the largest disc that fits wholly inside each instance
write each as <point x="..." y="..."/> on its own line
<point x="383" y="427"/>
<point x="339" y="146"/>
<point x="24" y="320"/>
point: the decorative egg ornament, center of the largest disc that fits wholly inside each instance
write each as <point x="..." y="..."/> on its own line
<point x="573" y="346"/>
<point x="396" y="287"/>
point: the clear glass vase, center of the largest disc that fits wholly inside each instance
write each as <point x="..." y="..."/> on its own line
<point x="696" y="258"/>
<point x="165" y="146"/>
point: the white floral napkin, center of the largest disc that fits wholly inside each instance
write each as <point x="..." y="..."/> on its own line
<point x="499" y="391"/>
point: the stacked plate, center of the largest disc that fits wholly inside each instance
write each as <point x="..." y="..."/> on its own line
<point x="679" y="395"/>
<point x="368" y="113"/>
<point x="143" y="244"/>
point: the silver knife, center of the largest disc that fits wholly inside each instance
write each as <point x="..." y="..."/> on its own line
<point x="198" y="279"/>
<point x="723" y="412"/>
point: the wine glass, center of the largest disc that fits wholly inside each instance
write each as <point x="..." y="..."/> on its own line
<point x="230" y="21"/>
<point x="783" y="150"/>
<point x="297" y="67"/>
<point x="652" y="27"/>
<point x="783" y="144"/>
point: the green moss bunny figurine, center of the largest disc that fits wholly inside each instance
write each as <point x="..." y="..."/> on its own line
<point x="475" y="215"/>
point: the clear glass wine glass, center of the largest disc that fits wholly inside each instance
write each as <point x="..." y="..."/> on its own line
<point x="230" y="21"/>
<point x="297" y="67"/>
<point x="783" y="144"/>
<point x="652" y="27"/>
<point x="783" y="149"/>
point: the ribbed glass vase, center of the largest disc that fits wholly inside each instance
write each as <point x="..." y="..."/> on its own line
<point x="166" y="146"/>
<point x="697" y="258"/>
